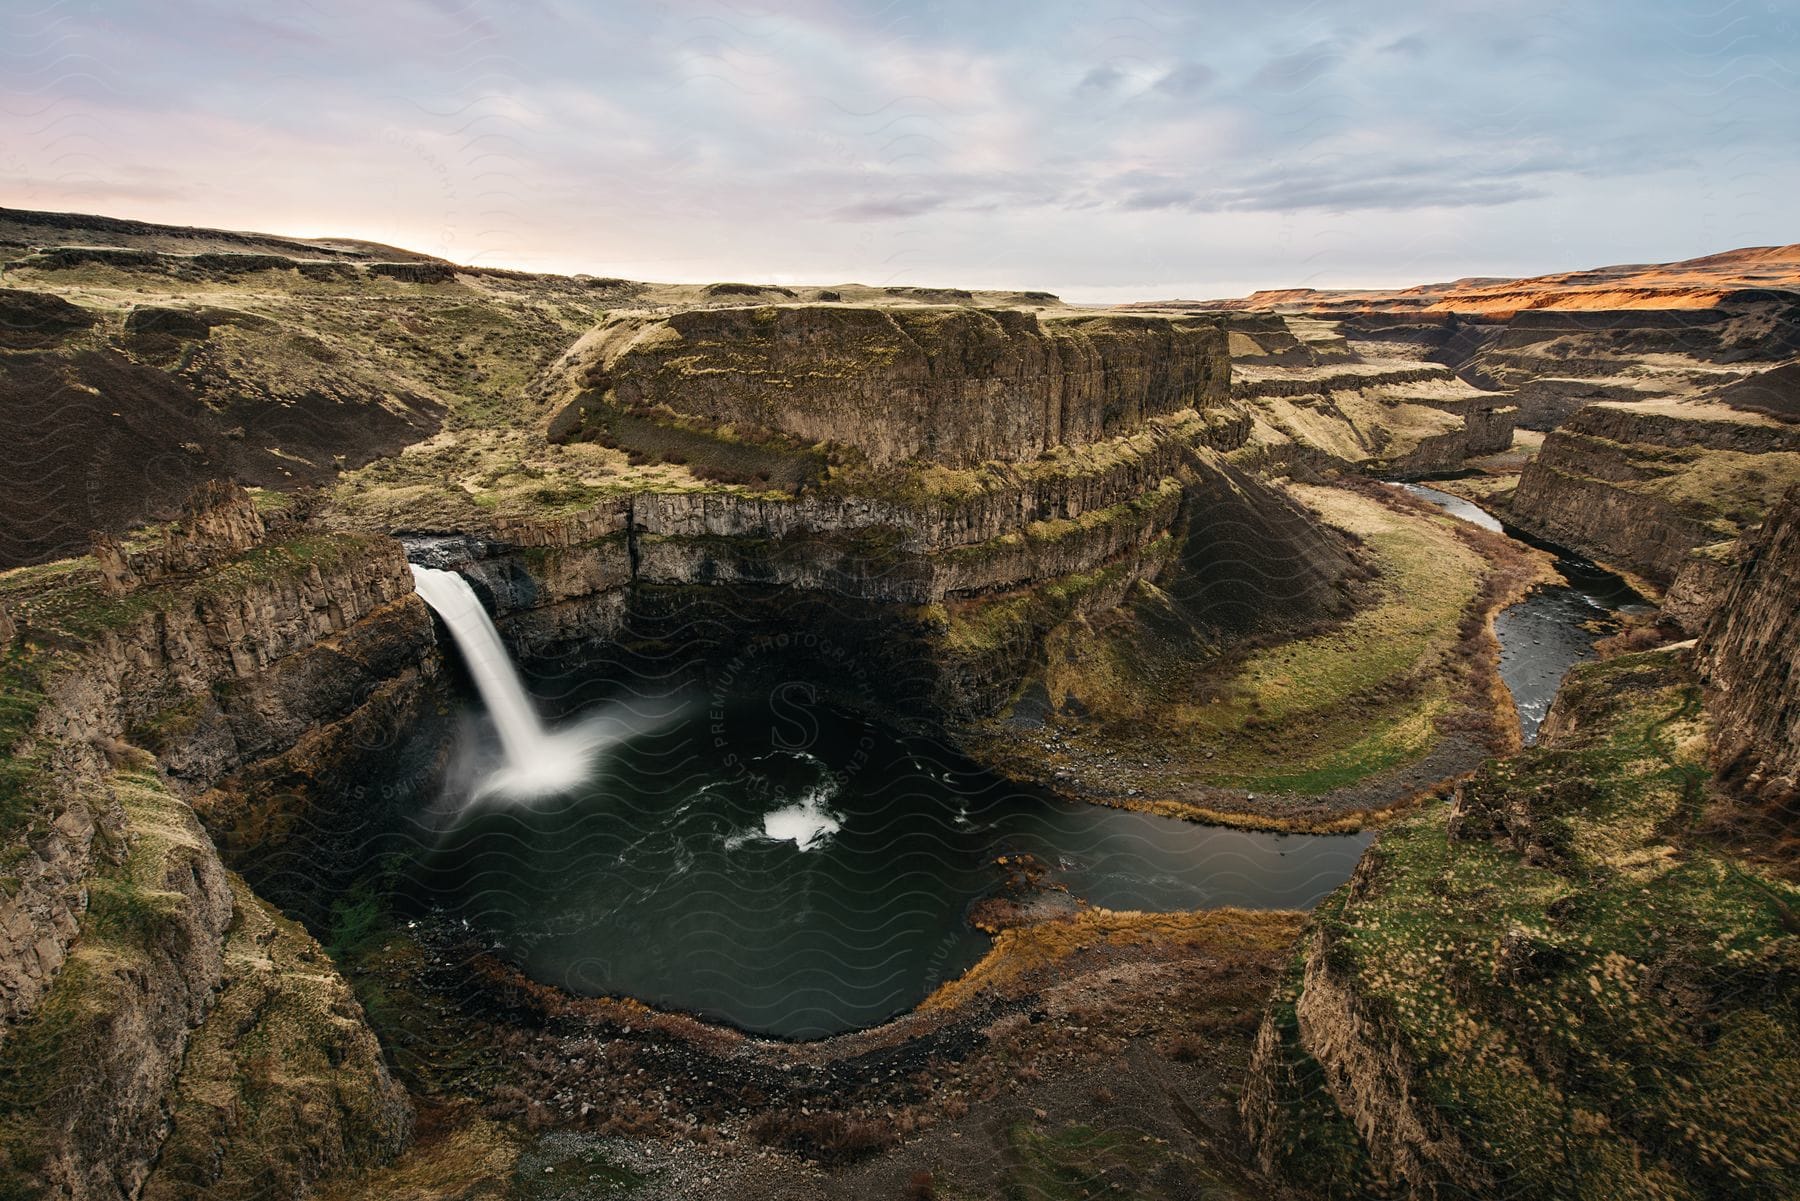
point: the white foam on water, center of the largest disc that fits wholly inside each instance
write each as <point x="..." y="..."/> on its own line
<point x="807" y="824"/>
<point x="561" y="762"/>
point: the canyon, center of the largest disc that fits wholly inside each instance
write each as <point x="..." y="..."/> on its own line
<point x="1136" y="557"/>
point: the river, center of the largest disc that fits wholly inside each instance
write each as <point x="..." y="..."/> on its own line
<point x="1553" y="628"/>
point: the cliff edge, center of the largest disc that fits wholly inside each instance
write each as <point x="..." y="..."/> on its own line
<point x="1750" y="659"/>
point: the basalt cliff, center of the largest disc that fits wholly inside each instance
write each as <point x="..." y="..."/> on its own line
<point x="169" y="1032"/>
<point x="1665" y="396"/>
<point x="1749" y="657"/>
<point x="1128" y="556"/>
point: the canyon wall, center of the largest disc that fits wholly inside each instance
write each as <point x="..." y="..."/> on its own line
<point x="1557" y="342"/>
<point x="957" y="386"/>
<point x="1750" y="659"/>
<point x="561" y="580"/>
<point x="140" y="975"/>
<point x="1641" y="485"/>
<point x="1318" y="400"/>
<point x="1556" y="361"/>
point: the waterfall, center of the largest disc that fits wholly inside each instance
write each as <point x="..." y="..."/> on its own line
<point x="521" y="733"/>
<point x="539" y="762"/>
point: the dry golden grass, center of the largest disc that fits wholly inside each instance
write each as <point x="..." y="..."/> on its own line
<point x="1021" y="952"/>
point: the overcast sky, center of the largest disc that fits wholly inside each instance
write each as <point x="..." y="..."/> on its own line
<point x="1102" y="150"/>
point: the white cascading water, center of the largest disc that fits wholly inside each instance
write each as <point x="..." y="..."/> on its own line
<point x="521" y="733"/>
<point x="538" y="761"/>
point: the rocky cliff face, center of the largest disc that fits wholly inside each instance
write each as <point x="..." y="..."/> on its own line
<point x="908" y="544"/>
<point x="1550" y="987"/>
<point x="122" y="937"/>
<point x="1082" y="526"/>
<point x="957" y="386"/>
<point x="1641" y="485"/>
<point x="1700" y="584"/>
<point x="1555" y="361"/>
<point x="1320" y="400"/>
<point x="1750" y="658"/>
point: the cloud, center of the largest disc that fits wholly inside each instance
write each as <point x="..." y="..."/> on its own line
<point x="1101" y="79"/>
<point x="1337" y="184"/>
<point x="889" y="208"/>
<point x="1188" y="79"/>
<point x="857" y="138"/>
<point x="1291" y="72"/>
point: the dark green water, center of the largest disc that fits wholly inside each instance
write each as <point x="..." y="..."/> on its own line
<point x="763" y="858"/>
<point x="793" y="869"/>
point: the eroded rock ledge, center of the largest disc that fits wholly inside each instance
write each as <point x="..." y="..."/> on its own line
<point x="1750" y="657"/>
<point x="1643" y="484"/>
<point x="957" y="386"/>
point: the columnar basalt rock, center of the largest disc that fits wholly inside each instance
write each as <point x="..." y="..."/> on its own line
<point x="1642" y="485"/>
<point x="956" y="386"/>
<point x="1700" y="585"/>
<point x="218" y="521"/>
<point x="117" y="573"/>
<point x="1003" y="526"/>
<point x="236" y="1129"/>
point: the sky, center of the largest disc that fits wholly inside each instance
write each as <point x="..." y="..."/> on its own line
<point x="1104" y="151"/>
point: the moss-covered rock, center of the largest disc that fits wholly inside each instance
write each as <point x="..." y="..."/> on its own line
<point x="116" y="915"/>
<point x="283" y="1083"/>
<point x="1552" y="987"/>
<point x="82" y="1078"/>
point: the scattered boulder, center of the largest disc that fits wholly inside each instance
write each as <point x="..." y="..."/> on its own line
<point x="29" y="320"/>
